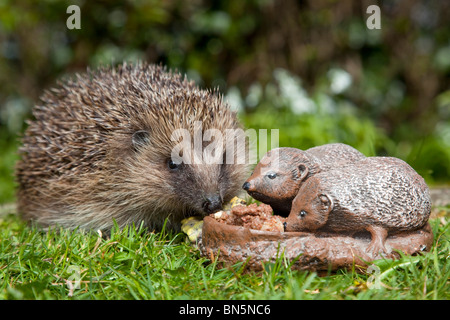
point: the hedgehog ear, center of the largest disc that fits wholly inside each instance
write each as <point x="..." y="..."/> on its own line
<point x="303" y="171"/>
<point x="325" y="202"/>
<point x="140" y="138"/>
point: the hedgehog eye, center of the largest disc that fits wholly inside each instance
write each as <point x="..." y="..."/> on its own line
<point x="303" y="214"/>
<point x="172" y="165"/>
<point x="272" y="175"/>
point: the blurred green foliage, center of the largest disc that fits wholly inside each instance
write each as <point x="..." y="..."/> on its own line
<point x="311" y="69"/>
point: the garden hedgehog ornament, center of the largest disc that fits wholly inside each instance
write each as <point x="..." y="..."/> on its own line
<point x="279" y="175"/>
<point x="381" y="195"/>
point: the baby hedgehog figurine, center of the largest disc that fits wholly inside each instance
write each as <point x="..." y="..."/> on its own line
<point x="377" y="194"/>
<point x="279" y="175"/>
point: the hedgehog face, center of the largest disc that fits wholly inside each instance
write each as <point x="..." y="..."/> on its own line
<point x="310" y="209"/>
<point x="277" y="177"/>
<point x="202" y="188"/>
<point x="196" y="187"/>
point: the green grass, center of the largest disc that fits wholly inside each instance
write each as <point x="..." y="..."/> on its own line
<point x="8" y="157"/>
<point x="136" y="264"/>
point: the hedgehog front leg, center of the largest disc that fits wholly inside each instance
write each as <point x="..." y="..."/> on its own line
<point x="379" y="235"/>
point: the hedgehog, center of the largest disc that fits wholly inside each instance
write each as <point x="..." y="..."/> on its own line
<point x="102" y="150"/>
<point x="279" y="175"/>
<point x="380" y="195"/>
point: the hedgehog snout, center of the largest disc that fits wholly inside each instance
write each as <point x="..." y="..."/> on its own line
<point x="246" y="186"/>
<point x="212" y="203"/>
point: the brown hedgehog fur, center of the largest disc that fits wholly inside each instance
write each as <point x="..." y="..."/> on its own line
<point x="80" y="166"/>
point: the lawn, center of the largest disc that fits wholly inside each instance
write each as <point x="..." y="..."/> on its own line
<point x="311" y="71"/>
<point x="137" y="264"/>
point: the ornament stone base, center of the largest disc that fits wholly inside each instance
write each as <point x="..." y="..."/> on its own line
<point x="308" y="251"/>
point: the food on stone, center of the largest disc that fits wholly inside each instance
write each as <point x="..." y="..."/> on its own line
<point x="253" y="216"/>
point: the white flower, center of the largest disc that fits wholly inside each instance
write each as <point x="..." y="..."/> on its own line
<point x="234" y="99"/>
<point x="293" y="93"/>
<point x="340" y="80"/>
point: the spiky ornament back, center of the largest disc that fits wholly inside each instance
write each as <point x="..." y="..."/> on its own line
<point x="79" y="167"/>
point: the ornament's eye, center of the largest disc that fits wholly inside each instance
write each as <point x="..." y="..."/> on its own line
<point x="272" y="175"/>
<point x="303" y="214"/>
<point x="172" y="165"/>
